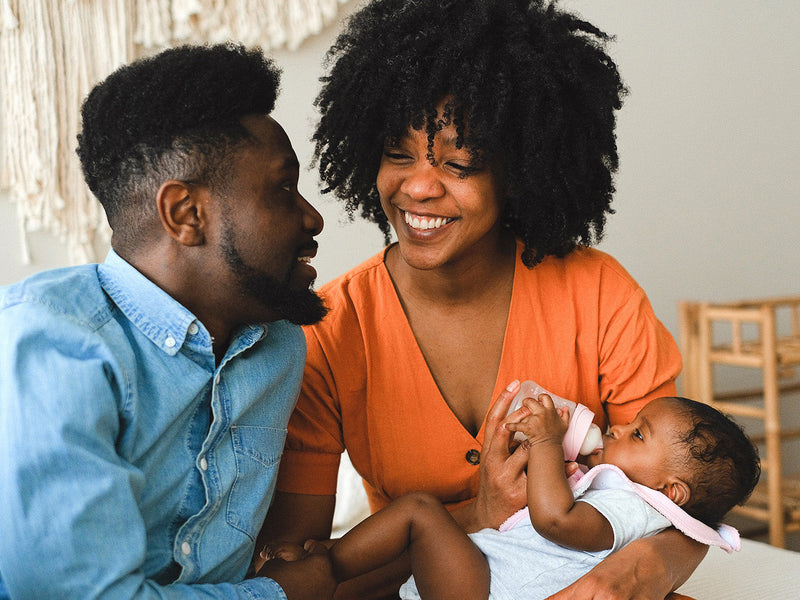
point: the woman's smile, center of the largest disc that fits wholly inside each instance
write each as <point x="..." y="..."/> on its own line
<point x="425" y="222"/>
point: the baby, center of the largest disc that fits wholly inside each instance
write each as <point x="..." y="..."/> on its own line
<point x="679" y="463"/>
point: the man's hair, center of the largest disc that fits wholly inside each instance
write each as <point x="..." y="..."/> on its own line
<point x="723" y="462"/>
<point x="175" y="115"/>
<point x="533" y="93"/>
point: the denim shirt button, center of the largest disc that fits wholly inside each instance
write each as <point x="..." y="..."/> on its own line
<point x="203" y="463"/>
<point x="186" y="548"/>
<point x="193" y="329"/>
<point x="169" y="342"/>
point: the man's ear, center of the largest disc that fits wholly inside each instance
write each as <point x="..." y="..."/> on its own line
<point x="182" y="211"/>
<point x="678" y="491"/>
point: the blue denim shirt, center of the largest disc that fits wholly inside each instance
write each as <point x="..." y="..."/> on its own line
<point x="130" y="465"/>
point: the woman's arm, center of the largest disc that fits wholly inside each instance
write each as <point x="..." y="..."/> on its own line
<point x="645" y="569"/>
<point x="295" y="518"/>
<point x="300" y="517"/>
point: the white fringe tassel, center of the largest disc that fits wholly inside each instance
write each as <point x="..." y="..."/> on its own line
<point x="53" y="51"/>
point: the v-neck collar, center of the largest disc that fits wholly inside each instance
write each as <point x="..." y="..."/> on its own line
<point x="422" y="365"/>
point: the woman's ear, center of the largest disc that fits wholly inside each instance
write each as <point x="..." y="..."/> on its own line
<point x="181" y="209"/>
<point x="678" y="491"/>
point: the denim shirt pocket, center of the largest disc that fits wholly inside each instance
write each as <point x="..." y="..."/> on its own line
<point x="257" y="452"/>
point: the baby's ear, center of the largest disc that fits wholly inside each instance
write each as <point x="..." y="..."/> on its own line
<point x="678" y="491"/>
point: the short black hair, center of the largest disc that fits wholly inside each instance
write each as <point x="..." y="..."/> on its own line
<point x="533" y="91"/>
<point x="172" y="115"/>
<point x="724" y="462"/>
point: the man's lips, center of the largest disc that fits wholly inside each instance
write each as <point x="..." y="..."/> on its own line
<point x="307" y="252"/>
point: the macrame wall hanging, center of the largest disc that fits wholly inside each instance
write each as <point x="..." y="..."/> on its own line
<point x="53" y="51"/>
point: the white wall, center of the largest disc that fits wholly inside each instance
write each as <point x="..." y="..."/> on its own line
<point x="708" y="193"/>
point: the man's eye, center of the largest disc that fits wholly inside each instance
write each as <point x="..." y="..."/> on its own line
<point x="289" y="186"/>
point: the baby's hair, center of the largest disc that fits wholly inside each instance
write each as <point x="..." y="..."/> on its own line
<point x="723" y="461"/>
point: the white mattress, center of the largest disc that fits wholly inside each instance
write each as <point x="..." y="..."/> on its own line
<point x="757" y="572"/>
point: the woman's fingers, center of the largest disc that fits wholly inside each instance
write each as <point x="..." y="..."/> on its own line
<point x="499" y="408"/>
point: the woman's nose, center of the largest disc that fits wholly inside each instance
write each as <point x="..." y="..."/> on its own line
<point x="422" y="182"/>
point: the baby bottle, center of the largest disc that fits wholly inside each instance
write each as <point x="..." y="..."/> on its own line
<point x="582" y="437"/>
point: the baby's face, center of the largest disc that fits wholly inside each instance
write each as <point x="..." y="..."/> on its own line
<point x="646" y="449"/>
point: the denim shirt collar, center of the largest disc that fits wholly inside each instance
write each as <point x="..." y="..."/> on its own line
<point x="154" y="312"/>
<point x="158" y="315"/>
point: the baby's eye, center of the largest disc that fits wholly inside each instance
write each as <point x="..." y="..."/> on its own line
<point x="637" y="434"/>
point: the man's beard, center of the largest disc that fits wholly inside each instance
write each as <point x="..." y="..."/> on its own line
<point x="299" y="306"/>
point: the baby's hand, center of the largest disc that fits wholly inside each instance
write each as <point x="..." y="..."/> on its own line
<point x="539" y="420"/>
<point x="283" y="550"/>
<point x="291" y="552"/>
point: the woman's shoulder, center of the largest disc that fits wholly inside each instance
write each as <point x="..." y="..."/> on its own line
<point x="355" y="298"/>
<point x="357" y="279"/>
<point x="584" y="264"/>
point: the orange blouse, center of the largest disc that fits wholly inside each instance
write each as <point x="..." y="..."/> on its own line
<point x="579" y="326"/>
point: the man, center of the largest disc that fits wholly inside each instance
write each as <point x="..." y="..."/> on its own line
<point x="144" y="401"/>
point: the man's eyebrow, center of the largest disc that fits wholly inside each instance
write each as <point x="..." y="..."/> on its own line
<point x="290" y="162"/>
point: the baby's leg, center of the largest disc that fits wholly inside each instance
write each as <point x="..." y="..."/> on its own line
<point x="444" y="561"/>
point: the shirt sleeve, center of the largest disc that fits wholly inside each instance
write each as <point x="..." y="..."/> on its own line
<point x="72" y="527"/>
<point x="630" y="517"/>
<point x="639" y="359"/>
<point x="314" y="446"/>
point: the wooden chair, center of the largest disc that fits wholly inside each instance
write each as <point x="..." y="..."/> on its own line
<point x="757" y="334"/>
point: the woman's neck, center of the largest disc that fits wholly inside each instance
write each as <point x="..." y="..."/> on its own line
<point x="472" y="277"/>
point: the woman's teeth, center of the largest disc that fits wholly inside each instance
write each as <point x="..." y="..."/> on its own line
<point x="418" y="222"/>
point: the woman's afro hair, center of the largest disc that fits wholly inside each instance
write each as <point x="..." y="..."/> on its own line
<point x="187" y="100"/>
<point x="530" y="89"/>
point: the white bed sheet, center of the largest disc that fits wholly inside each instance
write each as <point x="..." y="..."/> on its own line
<point x="757" y="572"/>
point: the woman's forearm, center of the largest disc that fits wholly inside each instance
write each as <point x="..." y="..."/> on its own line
<point x="648" y="569"/>
<point x="680" y="554"/>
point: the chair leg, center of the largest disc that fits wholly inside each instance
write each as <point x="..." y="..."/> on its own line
<point x="772" y="426"/>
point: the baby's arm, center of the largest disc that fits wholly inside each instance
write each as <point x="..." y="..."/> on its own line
<point x="554" y="513"/>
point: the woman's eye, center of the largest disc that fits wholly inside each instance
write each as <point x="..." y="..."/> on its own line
<point x="394" y="155"/>
<point x="463" y="170"/>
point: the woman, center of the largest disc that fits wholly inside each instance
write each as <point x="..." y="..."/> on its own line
<point x="482" y="133"/>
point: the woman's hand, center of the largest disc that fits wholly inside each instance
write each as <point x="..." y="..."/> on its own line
<point x="502" y="489"/>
